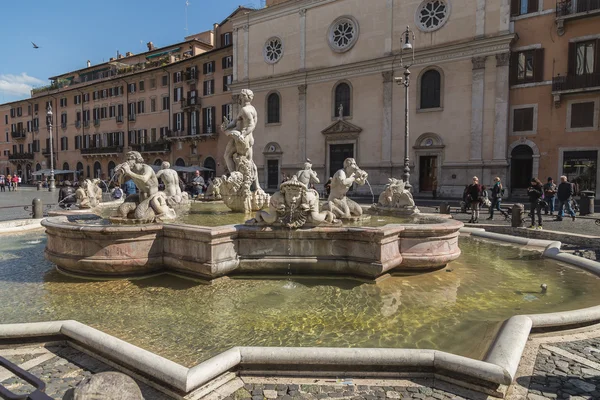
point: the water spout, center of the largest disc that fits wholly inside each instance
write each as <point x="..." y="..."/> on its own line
<point x="371" y="189"/>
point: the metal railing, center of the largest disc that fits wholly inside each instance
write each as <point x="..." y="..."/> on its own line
<point x="151" y="147"/>
<point x="18" y="134"/>
<point x="20" y="156"/>
<point x="569" y="7"/>
<point x="131" y="117"/>
<point x="77" y="124"/>
<point x="96" y="122"/>
<point x="119" y="118"/>
<point x="102" y="150"/>
<point x="574" y="82"/>
<point x="37" y="383"/>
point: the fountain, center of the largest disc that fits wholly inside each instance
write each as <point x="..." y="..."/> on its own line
<point x="395" y="200"/>
<point x="89" y="195"/>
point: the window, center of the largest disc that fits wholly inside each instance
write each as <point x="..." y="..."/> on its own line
<point x="227" y="80"/>
<point x="141" y="86"/>
<point x="152" y="83"/>
<point x="63" y="102"/>
<point x="208" y="120"/>
<point x="103" y="113"/>
<point x="12" y="112"/>
<point x="131" y="108"/>
<point x="86" y="97"/>
<point x="193" y="123"/>
<point x="165" y="80"/>
<point x="209" y="87"/>
<point x="165" y="103"/>
<point x="273" y="50"/>
<point x="431" y="84"/>
<point x="581" y="166"/>
<point x="523" y="119"/>
<point x="191" y="73"/>
<point x="141" y="107"/>
<point x="6" y="119"/>
<point x="177" y="94"/>
<point x="104" y="94"/>
<point x="527" y="66"/>
<point x="227" y="111"/>
<point x="77" y="142"/>
<point x="64" y="143"/>
<point x="226" y="39"/>
<point x="36" y="146"/>
<point x="585" y="57"/>
<point x="582" y="115"/>
<point x="273" y="108"/>
<point x="77" y="99"/>
<point x="95" y="95"/>
<point x="28" y="126"/>
<point x="163" y="132"/>
<point x="111" y="111"/>
<point x="342" y="97"/>
<point x="227" y="62"/>
<point x="521" y="7"/>
<point x="120" y="110"/>
<point x="432" y="15"/>
<point x="131" y="88"/>
<point x="19" y="111"/>
<point x="177" y="77"/>
<point x="152" y="105"/>
<point x="63" y="119"/>
<point x="209" y="67"/>
<point x="178" y="121"/>
<point x="343" y="34"/>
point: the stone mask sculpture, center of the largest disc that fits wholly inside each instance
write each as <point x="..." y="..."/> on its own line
<point x="238" y="194"/>
<point x="148" y="205"/>
<point x="396" y="199"/>
<point x="338" y="203"/>
<point x="294" y="206"/>
<point x="89" y="195"/>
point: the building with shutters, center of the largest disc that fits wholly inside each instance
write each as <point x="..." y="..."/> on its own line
<point x="166" y="103"/>
<point x="555" y="92"/>
<point x="305" y="58"/>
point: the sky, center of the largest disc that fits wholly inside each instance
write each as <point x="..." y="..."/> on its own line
<point x="70" y="32"/>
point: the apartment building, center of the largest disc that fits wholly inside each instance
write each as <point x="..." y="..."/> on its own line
<point x="166" y="103"/>
<point x="555" y="92"/>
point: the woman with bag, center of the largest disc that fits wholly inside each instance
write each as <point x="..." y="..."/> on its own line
<point x="473" y="198"/>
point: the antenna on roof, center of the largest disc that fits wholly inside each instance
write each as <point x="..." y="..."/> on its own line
<point x="187" y="3"/>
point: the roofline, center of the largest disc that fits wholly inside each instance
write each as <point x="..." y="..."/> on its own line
<point x="238" y="9"/>
<point x="136" y="55"/>
<point x="92" y="83"/>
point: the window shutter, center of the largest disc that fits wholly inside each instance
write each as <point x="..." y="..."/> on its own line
<point x="182" y="122"/>
<point x="204" y="68"/>
<point x="538" y="65"/>
<point x="514" y="7"/>
<point x="597" y="53"/>
<point x="572" y="58"/>
<point x="533" y="6"/>
<point x="223" y="111"/>
<point x="223" y="63"/>
<point x="513" y="67"/>
<point x="175" y="122"/>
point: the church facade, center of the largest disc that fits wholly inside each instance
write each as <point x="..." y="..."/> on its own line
<point x="325" y="75"/>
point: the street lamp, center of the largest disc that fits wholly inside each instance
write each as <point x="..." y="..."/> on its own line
<point x="51" y="185"/>
<point x="406" y="49"/>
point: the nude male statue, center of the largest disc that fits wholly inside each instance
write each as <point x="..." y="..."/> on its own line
<point x="307" y="175"/>
<point x="142" y="175"/>
<point x="170" y="179"/>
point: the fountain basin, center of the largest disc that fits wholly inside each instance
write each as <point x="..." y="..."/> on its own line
<point x="210" y="252"/>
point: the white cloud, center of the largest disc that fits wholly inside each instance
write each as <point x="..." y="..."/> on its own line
<point x="18" y="85"/>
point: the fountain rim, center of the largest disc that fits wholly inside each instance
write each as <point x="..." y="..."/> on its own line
<point x="498" y="368"/>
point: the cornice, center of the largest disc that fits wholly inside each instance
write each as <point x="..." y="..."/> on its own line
<point x="425" y="57"/>
<point x="277" y="11"/>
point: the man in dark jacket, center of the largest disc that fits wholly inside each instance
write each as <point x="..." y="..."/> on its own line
<point x="564" y="193"/>
<point x="66" y="196"/>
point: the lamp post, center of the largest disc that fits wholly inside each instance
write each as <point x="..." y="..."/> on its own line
<point x="406" y="49"/>
<point x="51" y="185"/>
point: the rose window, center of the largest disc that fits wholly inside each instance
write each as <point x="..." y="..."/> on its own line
<point x="343" y="33"/>
<point x="273" y="50"/>
<point x="432" y="14"/>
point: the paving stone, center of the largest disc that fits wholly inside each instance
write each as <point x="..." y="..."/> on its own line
<point x="392" y="395"/>
<point x="585" y="386"/>
<point x="270" y="394"/>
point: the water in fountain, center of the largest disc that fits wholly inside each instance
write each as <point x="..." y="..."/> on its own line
<point x="289" y="284"/>
<point x="371" y="189"/>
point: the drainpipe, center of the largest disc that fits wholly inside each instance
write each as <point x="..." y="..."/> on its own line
<point x="127" y="104"/>
<point x="170" y="110"/>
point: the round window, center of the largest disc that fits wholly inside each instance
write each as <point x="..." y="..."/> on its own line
<point x="432" y="15"/>
<point x="343" y="34"/>
<point x="273" y="50"/>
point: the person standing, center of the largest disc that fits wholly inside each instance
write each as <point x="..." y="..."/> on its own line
<point x="473" y="198"/>
<point x="9" y="181"/>
<point x="564" y="193"/>
<point x="497" y="191"/>
<point x="129" y="187"/>
<point x="535" y="200"/>
<point x="15" y="182"/>
<point x="2" y="183"/>
<point x="549" y="195"/>
<point x="197" y="184"/>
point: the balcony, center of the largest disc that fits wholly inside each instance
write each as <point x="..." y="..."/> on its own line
<point x="190" y="103"/>
<point x="191" y="134"/>
<point x="119" y="119"/>
<point x="36" y="129"/>
<point x="86" y="124"/>
<point x="574" y="9"/>
<point x="158" y="147"/>
<point x="102" y="151"/>
<point x="96" y="122"/>
<point x="191" y="77"/>
<point x="46" y="152"/>
<point x="18" y="134"/>
<point x="77" y="124"/>
<point x="63" y="125"/>
<point x="20" y="157"/>
<point x="131" y="117"/>
<point x="562" y="85"/>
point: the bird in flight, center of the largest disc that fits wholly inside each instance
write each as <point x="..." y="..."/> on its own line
<point x="35" y="46"/>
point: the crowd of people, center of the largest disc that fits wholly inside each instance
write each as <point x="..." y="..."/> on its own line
<point x="12" y="182"/>
<point x="541" y="197"/>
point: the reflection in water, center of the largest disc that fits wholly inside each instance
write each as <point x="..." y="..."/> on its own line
<point x="457" y="309"/>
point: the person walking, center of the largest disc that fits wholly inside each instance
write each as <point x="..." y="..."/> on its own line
<point x="473" y="198"/>
<point x="564" y="194"/>
<point x="15" y="182"/>
<point x="497" y="191"/>
<point x="9" y="181"/>
<point x="2" y="183"/>
<point x="549" y="195"/>
<point x="197" y="184"/>
<point x="535" y="192"/>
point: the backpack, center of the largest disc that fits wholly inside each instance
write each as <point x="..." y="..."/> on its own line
<point x="118" y="193"/>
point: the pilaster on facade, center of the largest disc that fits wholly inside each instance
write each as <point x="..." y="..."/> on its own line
<point x="386" y="140"/>
<point x="246" y="30"/>
<point x="501" y="106"/>
<point x="477" y="100"/>
<point x="480" y="19"/>
<point x="302" y="13"/>
<point x="302" y="123"/>
<point x="235" y="54"/>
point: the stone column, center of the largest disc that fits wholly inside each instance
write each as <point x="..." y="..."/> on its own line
<point x="501" y="107"/>
<point x="302" y="39"/>
<point x="477" y="94"/>
<point x="302" y="123"/>
<point x="480" y="19"/>
<point x="235" y="54"/>
<point x="246" y="50"/>
<point x="386" y="139"/>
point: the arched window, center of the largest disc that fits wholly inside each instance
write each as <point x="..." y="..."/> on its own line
<point x="210" y="163"/>
<point x="111" y="169"/>
<point x="66" y="166"/>
<point x="158" y="162"/>
<point x="180" y="162"/>
<point x="431" y="85"/>
<point x="97" y="170"/>
<point x="273" y="109"/>
<point x="38" y="166"/>
<point x="343" y="98"/>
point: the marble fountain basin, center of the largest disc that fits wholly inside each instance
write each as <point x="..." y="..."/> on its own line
<point x="91" y="246"/>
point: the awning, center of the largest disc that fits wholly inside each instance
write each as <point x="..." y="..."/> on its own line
<point x="192" y="168"/>
<point x="56" y="172"/>
<point x="164" y="53"/>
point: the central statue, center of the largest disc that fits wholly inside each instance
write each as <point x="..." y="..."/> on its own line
<point x="241" y="190"/>
<point x="338" y="203"/>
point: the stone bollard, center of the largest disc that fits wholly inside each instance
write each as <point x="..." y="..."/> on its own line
<point x="517" y="215"/>
<point x="111" y="385"/>
<point x="37" y="208"/>
<point x="444" y="208"/>
<point x="39" y="186"/>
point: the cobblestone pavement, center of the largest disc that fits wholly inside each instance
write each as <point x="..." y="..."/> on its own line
<point x="559" y="367"/>
<point x="61" y="367"/>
